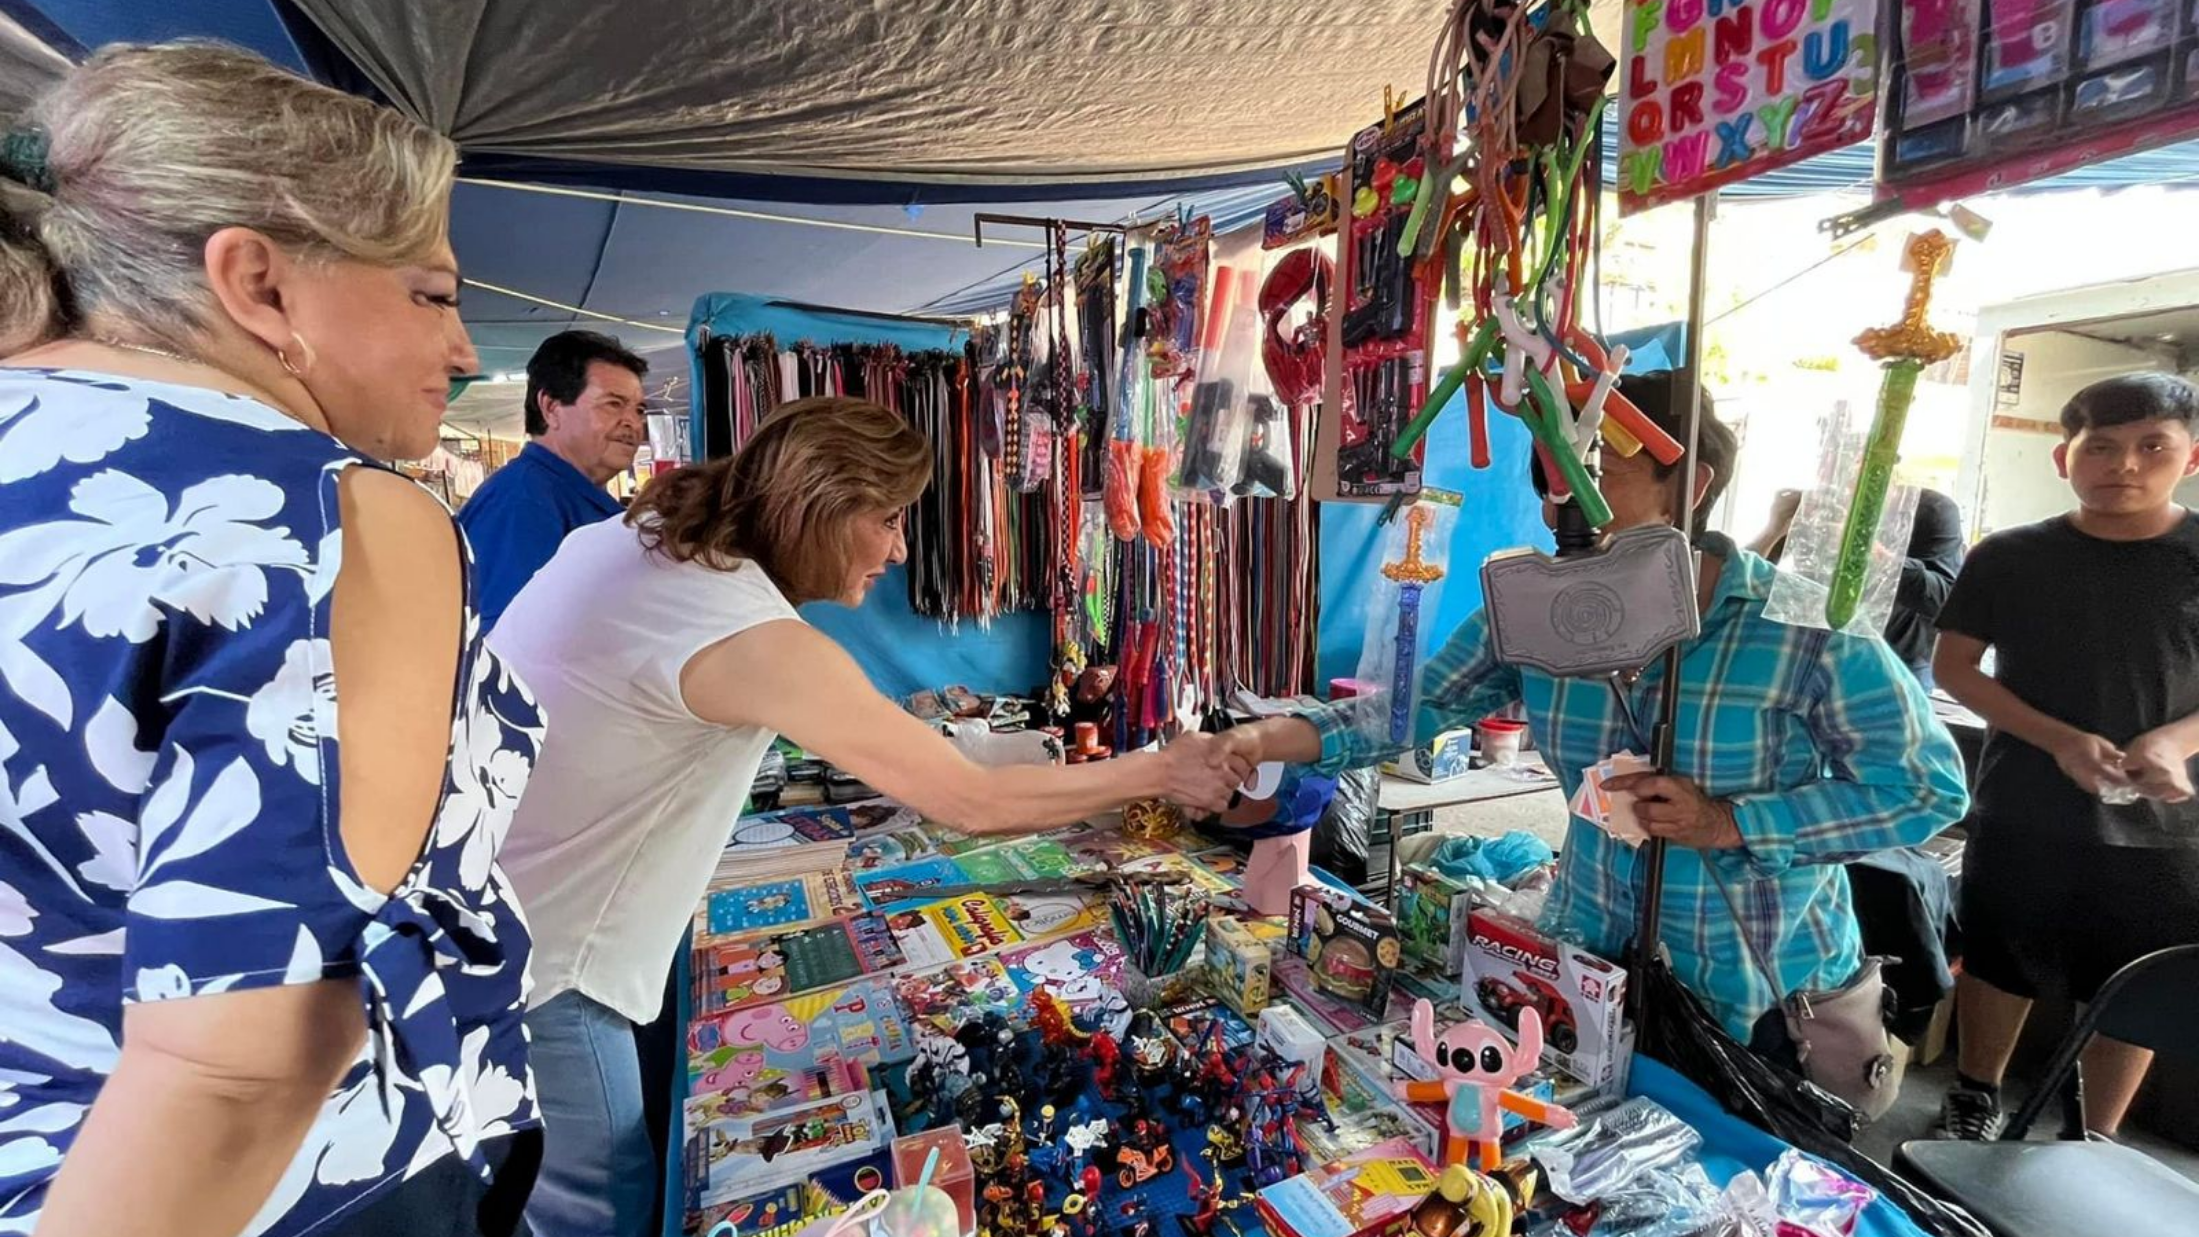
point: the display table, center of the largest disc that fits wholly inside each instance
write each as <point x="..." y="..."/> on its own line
<point x="880" y="1019"/>
<point x="1404" y="807"/>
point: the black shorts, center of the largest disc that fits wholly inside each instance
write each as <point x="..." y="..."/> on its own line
<point x="2043" y="916"/>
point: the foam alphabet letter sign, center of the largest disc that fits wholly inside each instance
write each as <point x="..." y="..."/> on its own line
<point x="1718" y="91"/>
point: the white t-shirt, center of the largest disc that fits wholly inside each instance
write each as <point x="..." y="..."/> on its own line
<point x="633" y="796"/>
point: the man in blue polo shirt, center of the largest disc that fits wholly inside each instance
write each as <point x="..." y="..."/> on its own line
<point x="584" y="423"/>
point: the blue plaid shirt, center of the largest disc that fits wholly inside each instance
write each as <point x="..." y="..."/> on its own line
<point x="1824" y="743"/>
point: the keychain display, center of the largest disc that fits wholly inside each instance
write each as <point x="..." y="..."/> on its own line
<point x="1095" y="283"/>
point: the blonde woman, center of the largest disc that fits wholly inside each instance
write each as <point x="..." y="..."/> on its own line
<point x="258" y="970"/>
<point x="669" y="655"/>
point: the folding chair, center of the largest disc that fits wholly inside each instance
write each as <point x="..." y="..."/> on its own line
<point x="2050" y="1189"/>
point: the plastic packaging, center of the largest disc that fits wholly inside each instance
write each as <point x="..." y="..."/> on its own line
<point x="1675" y="1201"/>
<point x="1218" y="424"/>
<point x="1798" y="1196"/>
<point x="1596" y="1159"/>
<point x="1119" y="489"/>
<point x="1398" y="641"/>
<point x="1812" y="555"/>
<point x="1270" y="466"/>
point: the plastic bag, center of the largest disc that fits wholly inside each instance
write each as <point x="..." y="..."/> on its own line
<point x="1499" y="860"/>
<point x="1340" y="836"/>
<point x="1214" y="428"/>
<point x="1593" y="1160"/>
<point x="1675" y="1201"/>
<point x="1812" y="555"/>
<point x="1799" y="1196"/>
<point x="1400" y="612"/>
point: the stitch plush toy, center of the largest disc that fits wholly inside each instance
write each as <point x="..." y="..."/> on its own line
<point x="1476" y="1065"/>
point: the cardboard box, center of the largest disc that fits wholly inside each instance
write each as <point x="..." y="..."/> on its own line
<point x="1361" y="1098"/>
<point x="1292" y="1038"/>
<point x="733" y="1153"/>
<point x="953" y="1173"/>
<point x="1371" y="1194"/>
<point x="1510" y="966"/>
<point x="1351" y="947"/>
<point x="1440" y="759"/>
<point x="1239" y="965"/>
<point x="1431" y="919"/>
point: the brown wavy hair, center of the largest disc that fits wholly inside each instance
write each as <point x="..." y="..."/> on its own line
<point x="785" y="501"/>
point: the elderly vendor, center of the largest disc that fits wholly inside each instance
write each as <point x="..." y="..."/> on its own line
<point x="1798" y="749"/>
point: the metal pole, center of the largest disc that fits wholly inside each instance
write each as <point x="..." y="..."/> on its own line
<point x="1691" y="395"/>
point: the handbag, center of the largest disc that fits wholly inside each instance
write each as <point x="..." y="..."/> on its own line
<point x="1839" y="1033"/>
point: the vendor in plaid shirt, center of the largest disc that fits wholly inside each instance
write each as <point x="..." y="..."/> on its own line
<point x="1797" y="751"/>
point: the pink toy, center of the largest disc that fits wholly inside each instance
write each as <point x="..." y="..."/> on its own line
<point x="1277" y="866"/>
<point x="768" y="1025"/>
<point x="1477" y="1066"/>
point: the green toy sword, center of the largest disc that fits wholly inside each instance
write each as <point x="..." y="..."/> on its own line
<point x="1905" y="348"/>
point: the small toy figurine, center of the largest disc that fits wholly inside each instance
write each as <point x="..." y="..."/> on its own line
<point x="1208" y="1197"/>
<point x="1137" y="1220"/>
<point x="1463" y="1204"/>
<point x="1106" y="1060"/>
<point x="1152" y="1049"/>
<point x="1144" y="1154"/>
<point x="1034" y="1201"/>
<point x="1224" y="1139"/>
<point x="1477" y="1065"/>
<point x="1055" y="1021"/>
<point x="986" y="1040"/>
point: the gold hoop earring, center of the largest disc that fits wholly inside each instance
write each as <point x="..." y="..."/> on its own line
<point x="292" y="368"/>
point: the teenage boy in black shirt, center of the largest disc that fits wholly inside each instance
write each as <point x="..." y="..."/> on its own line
<point x="2084" y="838"/>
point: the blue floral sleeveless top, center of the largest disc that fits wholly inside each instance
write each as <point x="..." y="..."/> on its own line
<point x="168" y="791"/>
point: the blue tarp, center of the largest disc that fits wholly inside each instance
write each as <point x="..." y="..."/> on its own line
<point x="1732" y="1146"/>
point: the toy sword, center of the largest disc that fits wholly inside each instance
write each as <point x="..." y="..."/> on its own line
<point x="1413" y="574"/>
<point x="1906" y="348"/>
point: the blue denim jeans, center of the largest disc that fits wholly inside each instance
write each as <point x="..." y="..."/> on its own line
<point x="599" y="1175"/>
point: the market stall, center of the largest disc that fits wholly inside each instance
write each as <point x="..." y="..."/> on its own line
<point x="1200" y="461"/>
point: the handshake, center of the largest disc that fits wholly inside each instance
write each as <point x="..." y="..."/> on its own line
<point x="1205" y="772"/>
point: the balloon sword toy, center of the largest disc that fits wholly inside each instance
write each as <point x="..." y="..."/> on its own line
<point x="1905" y="348"/>
<point x="1413" y="574"/>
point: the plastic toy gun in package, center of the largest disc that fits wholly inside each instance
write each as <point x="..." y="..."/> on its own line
<point x="1385" y="310"/>
<point x="1595" y="614"/>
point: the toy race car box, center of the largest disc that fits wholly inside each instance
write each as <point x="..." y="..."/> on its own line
<point x="1511" y="966"/>
<point x="1440" y="759"/>
<point x="1371" y="1194"/>
<point x="1351" y="947"/>
<point x="1431" y="919"/>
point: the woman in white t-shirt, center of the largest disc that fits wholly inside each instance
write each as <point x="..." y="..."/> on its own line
<point x="667" y="653"/>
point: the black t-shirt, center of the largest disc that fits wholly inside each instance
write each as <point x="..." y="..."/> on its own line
<point x="2103" y="635"/>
